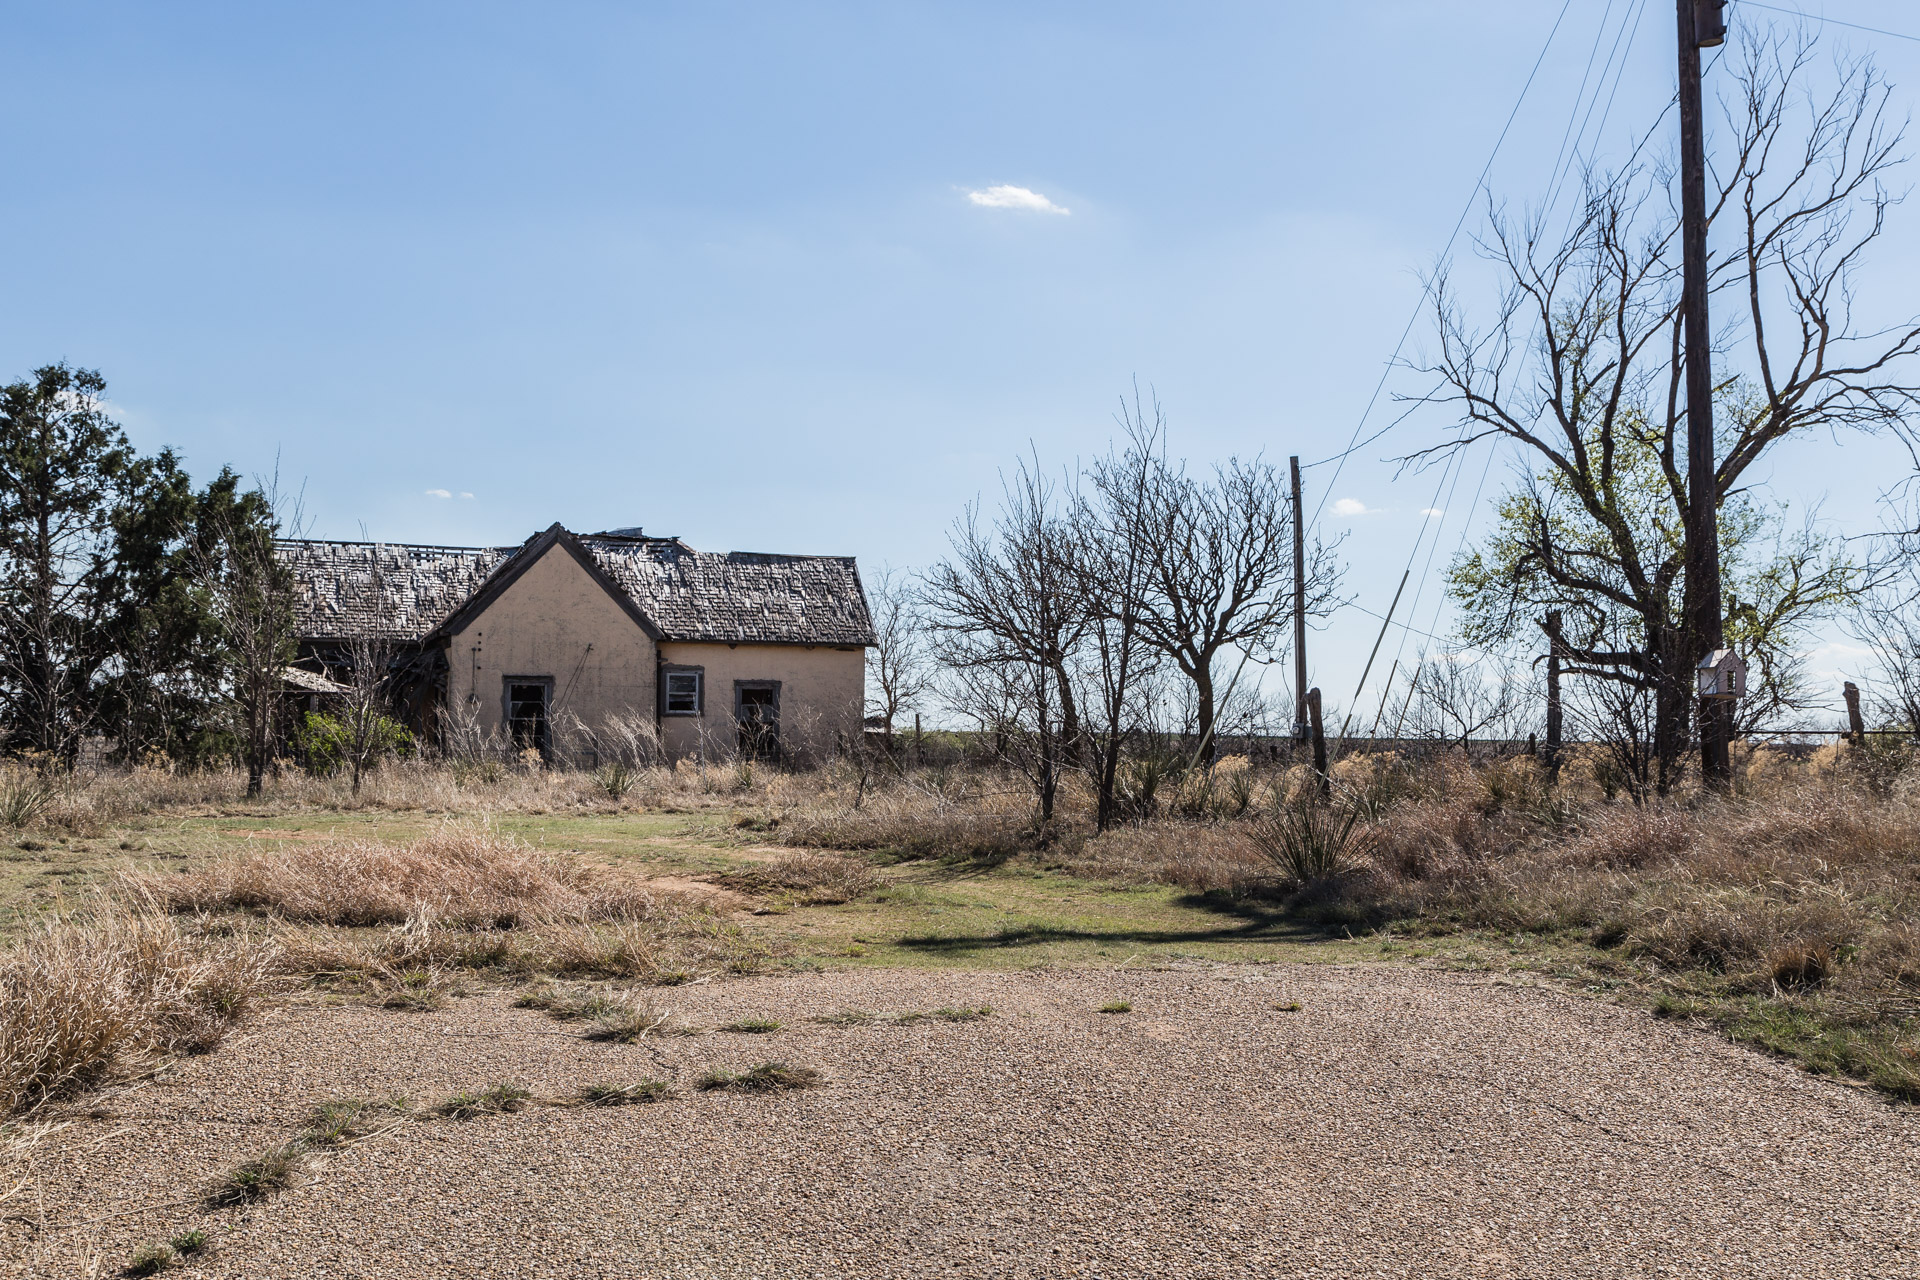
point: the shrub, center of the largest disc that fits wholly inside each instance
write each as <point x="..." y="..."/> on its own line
<point x="323" y="744"/>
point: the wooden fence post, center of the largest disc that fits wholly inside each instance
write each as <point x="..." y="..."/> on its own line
<point x="1855" y="721"/>
<point x="1551" y="625"/>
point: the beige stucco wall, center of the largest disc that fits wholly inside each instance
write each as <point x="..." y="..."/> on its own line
<point x="822" y="695"/>
<point x="553" y="621"/>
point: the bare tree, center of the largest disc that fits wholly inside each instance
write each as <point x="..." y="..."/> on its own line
<point x="1110" y="553"/>
<point x="1457" y="698"/>
<point x="1886" y="619"/>
<point x="1219" y="562"/>
<point x="1583" y="368"/>
<point x="250" y="595"/>
<point x="1005" y="617"/>
<point x="899" y="665"/>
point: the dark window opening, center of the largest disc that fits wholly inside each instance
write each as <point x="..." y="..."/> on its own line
<point x="527" y="715"/>
<point x="757" y="711"/>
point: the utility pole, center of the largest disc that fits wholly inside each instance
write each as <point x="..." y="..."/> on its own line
<point x="1300" y="727"/>
<point x="1701" y="26"/>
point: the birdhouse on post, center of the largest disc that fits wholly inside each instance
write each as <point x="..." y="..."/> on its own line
<point x="1722" y="674"/>
<point x="1709" y="23"/>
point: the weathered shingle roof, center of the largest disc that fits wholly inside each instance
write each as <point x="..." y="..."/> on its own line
<point x="738" y="597"/>
<point x="382" y="590"/>
<point x="396" y="591"/>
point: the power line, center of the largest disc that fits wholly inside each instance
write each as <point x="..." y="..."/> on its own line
<point x="1414" y="319"/>
<point x="1571" y="140"/>
<point x="1836" y="22"/>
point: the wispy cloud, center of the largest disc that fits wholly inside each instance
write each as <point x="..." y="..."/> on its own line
<point x="1005" y="197"/>
<point x="1351" y="507"/>
<point x="439" y="493"/>
<point x="1433" y="513"/>
<point x="465" y="494"/>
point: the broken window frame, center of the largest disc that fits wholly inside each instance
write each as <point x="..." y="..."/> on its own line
<point x="667" y="672"/>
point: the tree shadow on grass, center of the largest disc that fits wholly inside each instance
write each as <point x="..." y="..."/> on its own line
<point x="1243" y="920"/>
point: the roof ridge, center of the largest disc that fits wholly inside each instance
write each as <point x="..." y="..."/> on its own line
<point x="361" y="542"/>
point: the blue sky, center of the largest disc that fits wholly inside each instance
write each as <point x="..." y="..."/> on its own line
<point x="715" y="269"/>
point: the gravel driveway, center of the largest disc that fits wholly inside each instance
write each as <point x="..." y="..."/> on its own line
<point x="1401" y="1123"/>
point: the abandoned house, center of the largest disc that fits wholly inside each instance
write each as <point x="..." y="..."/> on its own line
<point x="574" y="645"/>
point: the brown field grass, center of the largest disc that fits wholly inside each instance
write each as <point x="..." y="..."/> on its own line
<point x="168" y="963"/>
<point x="1784" y="915"/>
<point x="89" y="802"/>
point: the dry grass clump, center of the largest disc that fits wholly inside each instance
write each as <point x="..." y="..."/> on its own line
<point x="611" y="1017"/>
<point x="460" y="901"/>
<point x="416" y="964"/>
<point x="1203" y="857"/>
<point x="152" y="1259"/>
<point x="459" y="876"/>
<point x="85" y="996"/>
<point x="946" y="814"/>
<point x="752" y="1026"/>
<point x="946" y="1013"/>
<point x="809" y="878"/>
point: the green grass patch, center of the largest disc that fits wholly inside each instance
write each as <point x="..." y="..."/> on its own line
<point x="752" y="1026"/>
<point x="493" y="1100"/>
<point x="768" y="1077"/>
<point x="626" y="1095"/>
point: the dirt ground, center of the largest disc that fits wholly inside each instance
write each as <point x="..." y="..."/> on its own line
<point x="1399" y="1123"/>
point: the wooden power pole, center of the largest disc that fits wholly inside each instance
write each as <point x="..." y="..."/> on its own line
<point x="1702" y="25"/>
<point x="1300" y="729"/>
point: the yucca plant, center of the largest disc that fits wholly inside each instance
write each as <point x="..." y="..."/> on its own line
<point x="23" y="796"/>
<point x="615" y="778"/>
<point x="1310" y="838"/>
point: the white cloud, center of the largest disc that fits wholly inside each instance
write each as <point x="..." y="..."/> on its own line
<point x="1432" y="512"/>
<point x="1005" y="197"/>
<point x="1351" y="507"/>
<point x="439" y="493"/>
<point x="464" y="494"/>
